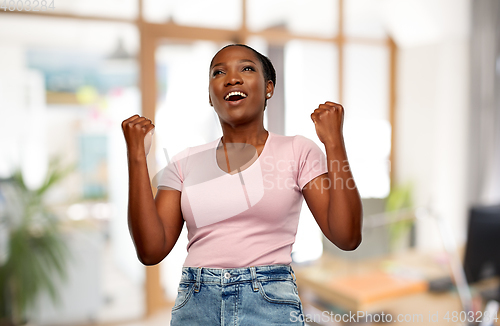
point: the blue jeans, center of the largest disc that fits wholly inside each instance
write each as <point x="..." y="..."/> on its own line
<point x="257" y="295"/>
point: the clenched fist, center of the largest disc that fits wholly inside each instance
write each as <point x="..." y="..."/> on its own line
<point x="328" y="119"/>
<point x="138" y="132"/>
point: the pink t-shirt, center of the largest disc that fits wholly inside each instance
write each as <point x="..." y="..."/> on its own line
<point x="249" y="218"/>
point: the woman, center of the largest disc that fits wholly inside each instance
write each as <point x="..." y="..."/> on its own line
<point x="240" y="196"/>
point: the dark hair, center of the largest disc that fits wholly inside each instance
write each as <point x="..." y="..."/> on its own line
<point x="269" y="71"/>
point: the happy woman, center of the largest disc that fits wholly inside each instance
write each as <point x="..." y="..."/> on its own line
<point x="240" y="197"/>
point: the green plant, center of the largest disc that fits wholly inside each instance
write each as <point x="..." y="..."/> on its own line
<point x="398" y="204"/>
<point x="37" y="251"/>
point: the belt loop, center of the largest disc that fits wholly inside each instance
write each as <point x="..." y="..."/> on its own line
<point x="254" y="279"/>
<point x="197" y="285"/>
<point x="293" y="275"/>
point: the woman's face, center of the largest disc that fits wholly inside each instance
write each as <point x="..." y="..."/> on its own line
<point x="237" y="88"/>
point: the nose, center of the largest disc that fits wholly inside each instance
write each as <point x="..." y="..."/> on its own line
<point x="233" y="78"/>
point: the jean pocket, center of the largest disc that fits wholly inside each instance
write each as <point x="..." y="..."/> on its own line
<point x="283" y="292"/>
<point x="184" y="292"/>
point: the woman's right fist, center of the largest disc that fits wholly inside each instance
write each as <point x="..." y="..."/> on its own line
<point x="135" y="130"/>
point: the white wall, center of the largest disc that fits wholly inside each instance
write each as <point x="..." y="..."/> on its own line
<point x="432" y="112"/>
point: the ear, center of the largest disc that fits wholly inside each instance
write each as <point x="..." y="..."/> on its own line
<point x="269" y="89"/>
<point x="210" y="101"/>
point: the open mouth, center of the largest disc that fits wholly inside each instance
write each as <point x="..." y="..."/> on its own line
<point x="235" y="96"/>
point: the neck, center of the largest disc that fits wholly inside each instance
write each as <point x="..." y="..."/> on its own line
<point x="253" y="135"/>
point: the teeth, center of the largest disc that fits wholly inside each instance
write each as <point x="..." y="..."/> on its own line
<point x="235" y="93"/>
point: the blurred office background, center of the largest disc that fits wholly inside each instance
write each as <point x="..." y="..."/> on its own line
<point x="418" y="80"/>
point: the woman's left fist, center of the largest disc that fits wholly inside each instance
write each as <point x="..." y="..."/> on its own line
<point x="328" y="119"/>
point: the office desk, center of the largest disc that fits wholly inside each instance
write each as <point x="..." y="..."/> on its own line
<point x="395" y="284"/>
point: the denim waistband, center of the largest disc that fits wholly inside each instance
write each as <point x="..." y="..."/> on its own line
<point x="227" y="276"/>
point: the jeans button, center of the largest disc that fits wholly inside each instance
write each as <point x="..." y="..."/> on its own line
<point x="227" y="275"/>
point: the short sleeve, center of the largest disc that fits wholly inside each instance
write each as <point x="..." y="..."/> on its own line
<point x="172" y="176"/>
<point x="311" y="160"/>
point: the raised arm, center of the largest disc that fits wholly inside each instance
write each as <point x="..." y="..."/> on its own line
<point x="154" y="224"/>
<point x="333" y="197"/>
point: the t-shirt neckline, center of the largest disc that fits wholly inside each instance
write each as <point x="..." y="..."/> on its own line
<point x="218" y="141"/>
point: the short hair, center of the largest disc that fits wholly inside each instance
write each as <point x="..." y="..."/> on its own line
<point x="269" y="71"/>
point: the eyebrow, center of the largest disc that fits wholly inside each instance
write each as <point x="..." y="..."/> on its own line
<point x="241" y="61"/>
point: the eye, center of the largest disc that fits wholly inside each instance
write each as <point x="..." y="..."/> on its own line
<point x="248" y="68"/>
<point x="216" y="72"/>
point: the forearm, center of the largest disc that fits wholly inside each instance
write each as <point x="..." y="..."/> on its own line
<point x="345" y="211"/>
<point x="144" y="223"/>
